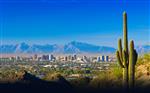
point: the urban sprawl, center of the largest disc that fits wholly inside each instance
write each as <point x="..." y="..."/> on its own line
<point x="68" y="58"/>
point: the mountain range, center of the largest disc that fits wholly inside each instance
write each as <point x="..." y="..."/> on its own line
<point x="70" y="48"/>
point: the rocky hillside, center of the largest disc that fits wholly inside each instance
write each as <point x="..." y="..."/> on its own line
<point x="143" y="71"/>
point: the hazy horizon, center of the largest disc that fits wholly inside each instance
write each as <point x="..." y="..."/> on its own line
<point x="62" y="44"/>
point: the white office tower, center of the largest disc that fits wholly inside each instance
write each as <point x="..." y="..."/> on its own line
<point x="50" y="57"/>
<point x="106" y="58"/>
<point x="18" y="58"/>
<point x="98" y="59"/>
<point x="102" y="58"/>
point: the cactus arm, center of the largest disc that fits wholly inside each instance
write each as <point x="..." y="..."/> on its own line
<point x="136" y="57"/>
<point x="131" y="65"/>
<point x="119" y="60"/>
<point x="120" y="49"/>
<point x="125" y="58"/>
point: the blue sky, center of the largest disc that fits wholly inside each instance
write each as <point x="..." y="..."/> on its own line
<point x="60" y="21"/>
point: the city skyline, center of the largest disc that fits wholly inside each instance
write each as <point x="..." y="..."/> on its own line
<point x="61" y="21"/>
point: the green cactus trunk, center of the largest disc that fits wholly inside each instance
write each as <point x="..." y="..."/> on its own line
<point x="125" y="62"/>
<point x="125" y="77"/>
<point x="125" y="33"/>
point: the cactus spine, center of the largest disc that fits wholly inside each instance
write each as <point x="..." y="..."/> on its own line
<point x="125" y="59"/>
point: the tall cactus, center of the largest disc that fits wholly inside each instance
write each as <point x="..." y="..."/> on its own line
<point x="122" y="54"/>
<point x="126" y="61"/>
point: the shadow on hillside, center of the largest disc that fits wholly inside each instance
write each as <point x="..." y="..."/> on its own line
<point x="31" y="84"/>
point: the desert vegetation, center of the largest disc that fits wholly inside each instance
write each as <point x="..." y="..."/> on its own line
<point x="102" y="79"/>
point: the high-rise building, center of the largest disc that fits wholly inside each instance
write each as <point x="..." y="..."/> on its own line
<point x="69" y="58"/>
<point x="66" y="58"/>
<point x="75" y="57"/>
<point x="44" y="58"/>
<point x="85" y="59"/>
<point x="50" y="57"/>
<point x="17" y="58"/>
<point x="35" y="57"/>
<point x="102" y="58"/>
<point x="106" y="58"/>
<point x="98" y="59"/>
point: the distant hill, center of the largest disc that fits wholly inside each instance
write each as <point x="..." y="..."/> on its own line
<point x="79" y="47"/>
<point x="70" y="48"/>
<point x="143" y="49"/>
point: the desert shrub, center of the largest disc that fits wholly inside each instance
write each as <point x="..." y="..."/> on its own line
<point x="51" y="76"/>
<point x="11" y="75"/>
<point x="143" y="59"/>
<point x="108" y="79"/>
<point x="99" y="81"/>
<point x="116" y="72"/>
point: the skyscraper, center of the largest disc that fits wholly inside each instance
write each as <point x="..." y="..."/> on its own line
<point x="106" y="58"/>
<point x="98" y="59"/>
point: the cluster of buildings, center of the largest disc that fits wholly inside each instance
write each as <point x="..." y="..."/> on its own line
<point x="34" y="58"/>
<point x="68" y="58"/>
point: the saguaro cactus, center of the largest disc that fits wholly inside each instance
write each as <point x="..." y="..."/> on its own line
<point x="125" y="59"/>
